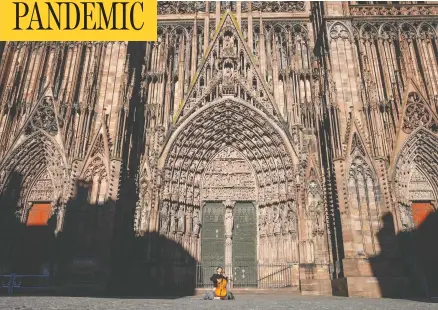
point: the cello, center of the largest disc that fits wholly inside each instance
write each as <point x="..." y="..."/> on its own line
<point x="221" y="288"/>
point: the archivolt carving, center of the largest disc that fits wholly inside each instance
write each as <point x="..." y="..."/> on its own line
<point x="42" y="189"/>
<point x="229" y="123"/>
<point x="419" y="187"/>
<point x="417" y="157"/>
<point x="237" y="151"/>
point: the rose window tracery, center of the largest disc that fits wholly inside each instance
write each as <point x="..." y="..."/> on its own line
<point x="44" y="118"/>
<point x="418" y="114"/>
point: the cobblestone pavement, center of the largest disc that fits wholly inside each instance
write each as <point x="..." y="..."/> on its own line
<point x="188" y="303"/>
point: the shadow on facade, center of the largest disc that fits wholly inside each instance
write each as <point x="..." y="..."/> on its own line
<point x="10" y="228"/>
<point x="25" y="249"/>
<point x="418" y="263"/>
<point x="93" y="254"/>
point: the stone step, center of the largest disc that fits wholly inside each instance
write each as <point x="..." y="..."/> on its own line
<point x="254" y="291"/>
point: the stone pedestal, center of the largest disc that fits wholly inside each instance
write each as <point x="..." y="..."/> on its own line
<point x="373" y="277"/>
<point x="374" y="287"/>
<point x="316" y="287"/>
<point x="315" y="279"/>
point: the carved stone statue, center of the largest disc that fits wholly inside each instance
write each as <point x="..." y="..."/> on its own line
<point x="227" y="76"/>
<point x="173" y="218"/>
<point x="196" y="222"/>
<point x="262" y="221"/>
<point x="228" y="48"/>
<point x="181" y="218"/>
<point x="320" y="218"/>
<point x="292" y="217"/>
<point x="164" y="217"/>
<point x="229" y="222"/>
<point x="269" y="221"/>
<point x="144" y="220"/>
<point x="405" y="217"/>
<point x="284" y="217"/>
<point x="317" y="217"/>
<point x="277" y="221"/>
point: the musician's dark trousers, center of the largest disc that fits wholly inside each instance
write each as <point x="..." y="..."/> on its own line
<point x="210" y="295"/>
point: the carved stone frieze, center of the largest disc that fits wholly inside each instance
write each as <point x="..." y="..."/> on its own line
<point x="42" y="190"/>
<point x="181" y="7"/>
<point x="228" y="176"/>
<point x="419" y="187"/>
<point x="274" y="6"/>
<point x="393" y="10"/>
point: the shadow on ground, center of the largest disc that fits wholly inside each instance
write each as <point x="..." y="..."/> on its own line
<point x="94" y="254"/>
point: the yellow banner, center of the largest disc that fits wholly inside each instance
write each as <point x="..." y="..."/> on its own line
<point x="78" y="20"/>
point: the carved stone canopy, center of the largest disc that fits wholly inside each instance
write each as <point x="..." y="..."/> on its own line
<point x="229" y="203"/>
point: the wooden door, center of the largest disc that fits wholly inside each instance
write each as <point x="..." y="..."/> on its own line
<point x="39" y="214"/>
<point x="420" y="211"/>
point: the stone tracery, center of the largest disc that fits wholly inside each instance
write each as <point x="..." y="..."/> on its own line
<point x="365" y="202"/>
<point x="228" y="70"/>
<point x="418" y="114"/>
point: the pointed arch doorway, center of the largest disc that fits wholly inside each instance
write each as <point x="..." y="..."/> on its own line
<point x="260" y="179"/>
<point x="229" y="237"/>
<point x="416" y="187"/>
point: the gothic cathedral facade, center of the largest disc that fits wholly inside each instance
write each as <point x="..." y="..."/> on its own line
<point x="298" y="134"/>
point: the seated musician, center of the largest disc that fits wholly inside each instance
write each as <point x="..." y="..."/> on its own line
<point x="219" y="275"/>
